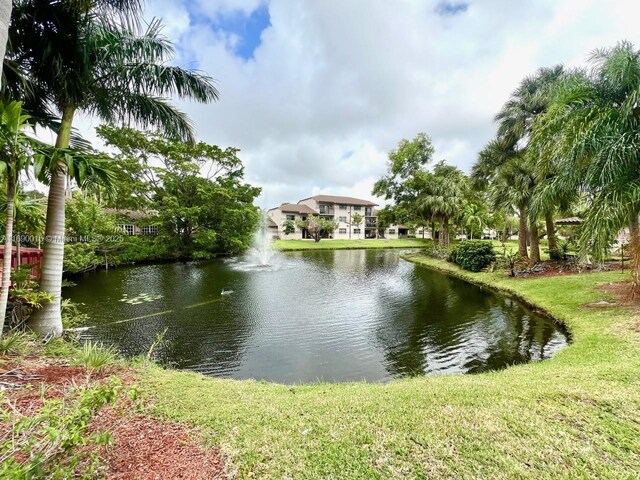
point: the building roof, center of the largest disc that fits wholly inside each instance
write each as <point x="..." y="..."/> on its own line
<point x="569" y="221"/>
<point x="271" y="223"/>
<point x="130" y="214"/>
<point x="341" y="200"/>
<point x="296" y="208"/>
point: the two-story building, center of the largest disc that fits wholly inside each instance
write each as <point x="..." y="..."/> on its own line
<point x="342" y="210"/>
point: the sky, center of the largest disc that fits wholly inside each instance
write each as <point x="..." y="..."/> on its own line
<point x="316" y="93"/>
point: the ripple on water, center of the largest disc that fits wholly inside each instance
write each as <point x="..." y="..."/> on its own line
<point x="331" y="315"/>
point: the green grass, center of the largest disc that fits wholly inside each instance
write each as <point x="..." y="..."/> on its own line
<point x="292" y="245"/>
<point x="574" y="416"/>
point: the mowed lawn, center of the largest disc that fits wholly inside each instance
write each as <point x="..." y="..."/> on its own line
<point x="291" y="245"/>
<point x="574" y="416"/>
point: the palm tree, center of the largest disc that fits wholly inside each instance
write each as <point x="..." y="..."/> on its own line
<point x="591" y="127"/>
<point x="446" y="191"/>
<point x="516" y="120"/>
<point x="501" y="170"/>
<point x="15" y="157"/>
<point x="473" y="214"/>
<point x="5" y="17"/>
<point x="93" y="57"/>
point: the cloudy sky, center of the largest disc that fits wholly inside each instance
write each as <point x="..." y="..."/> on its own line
<point x="316" y="93"/>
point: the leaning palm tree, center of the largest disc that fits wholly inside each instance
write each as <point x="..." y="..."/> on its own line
<point x="592" y="127"/>
<point x="16" y="150"/>
<point x="93" y="57"/>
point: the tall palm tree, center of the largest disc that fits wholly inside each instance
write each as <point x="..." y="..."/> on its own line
<point x="5" y="17"/>
<point x="502" y="171"/>
<point x="93" y="57"/>
<point x="516" y="120"/>
<point x="15" y="157"/>
<point x="592" y="128"/>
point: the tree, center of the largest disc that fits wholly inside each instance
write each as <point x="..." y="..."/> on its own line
<point x="16" y="149"/>
<point x="317" y="226"/>
<point x="504" y="173"/>
<point x="289" y="227"/>
<point x="590" y="130"/>
<point x="445" y="197"/>
<point x="407" y="178"/>
<point x="504" y="165"/>
<point x="5" y="17"/>
<point x="356" y="221"/>
<point x="203" y="206"/>
<point x="93" y="57"/>
<point x="474" y="215"/>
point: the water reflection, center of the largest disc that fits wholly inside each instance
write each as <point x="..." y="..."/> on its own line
<point x="329" y="315"/>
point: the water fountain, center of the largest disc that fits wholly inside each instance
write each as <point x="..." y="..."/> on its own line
<point x="261" y="255"/>
<point x="261" y="252"/>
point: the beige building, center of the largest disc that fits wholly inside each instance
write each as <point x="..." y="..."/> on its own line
<point x="336" y="208"/>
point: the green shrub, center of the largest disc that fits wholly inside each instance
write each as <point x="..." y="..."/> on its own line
<point x="473" y="255"/>
<point x="14" y="343"/>
<point x="72" y="314"/>
<point x="95" y="356"/>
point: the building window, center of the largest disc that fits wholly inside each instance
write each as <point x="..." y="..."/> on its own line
<point x="342" y="230"/>
<point x="291" y="218"/>
<point x="392" y="231"/>
<point x="357" y="208"/>
<point x="343" y="207"/>
<point x="342" y="219"/>
<point x="128" y="228"/>
<point x="356" y="230"/>
<point x="149" y="230"/>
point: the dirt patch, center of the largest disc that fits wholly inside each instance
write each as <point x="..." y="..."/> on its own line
<point x="620" y="296"/>
<point x="145" y="448"/>
<point x="553" y="268"/>
<point x="140" y="447"/>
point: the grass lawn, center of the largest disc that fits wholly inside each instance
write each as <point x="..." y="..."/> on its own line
<point x="574" y="416"/>
<point x="291" y="245"/>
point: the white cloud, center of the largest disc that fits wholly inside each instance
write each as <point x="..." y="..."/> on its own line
<point x="336" y="84"/>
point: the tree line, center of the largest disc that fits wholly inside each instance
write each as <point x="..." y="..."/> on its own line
<point x="567" y="142"/>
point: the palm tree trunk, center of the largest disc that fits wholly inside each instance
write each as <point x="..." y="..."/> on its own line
<point x="535" y="241"/>
<point x="551" y="231"/>
<point x="522" y="234"/>
<point x="8" y="244"/>
<point x="48" y="319"/>
<point x="634" y="233"/>
<point x="445" y="231"/>
<point x="18" y="248"/>
<point x="5" y="17"/>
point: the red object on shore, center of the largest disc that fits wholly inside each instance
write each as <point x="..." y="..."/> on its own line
<point x="28" y="256"/>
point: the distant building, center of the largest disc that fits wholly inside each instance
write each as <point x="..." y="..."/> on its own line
<point x="132" y="222"/>
<point x="339" y="209"/>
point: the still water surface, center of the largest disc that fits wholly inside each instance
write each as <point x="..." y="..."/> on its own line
<point x="329" y="315"/>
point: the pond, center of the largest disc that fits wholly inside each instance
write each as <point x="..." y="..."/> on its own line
<point x="326" y="315"/>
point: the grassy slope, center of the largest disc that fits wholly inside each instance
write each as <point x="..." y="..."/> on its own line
<point x="574" y="416"/>
<point x="291" y="245"/>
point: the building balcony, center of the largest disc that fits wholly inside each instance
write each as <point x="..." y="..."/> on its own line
<point x="324" y="210"/>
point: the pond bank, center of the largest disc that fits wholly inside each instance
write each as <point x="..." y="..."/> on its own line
<point x="576" y="415"/>
<point x="355" y="244"/>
